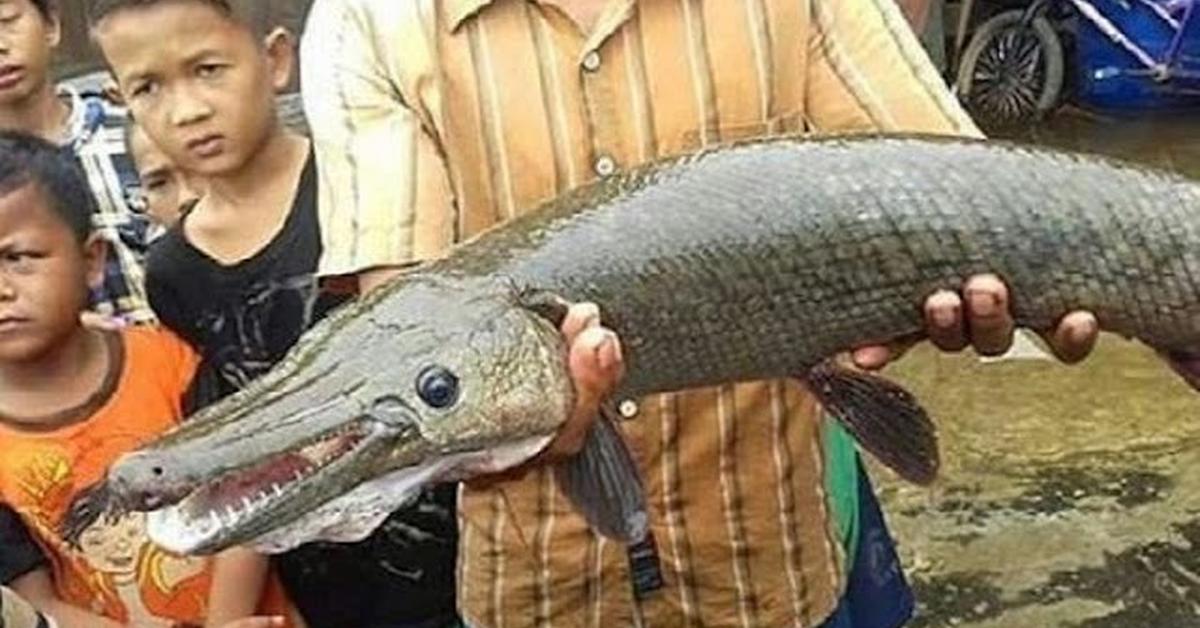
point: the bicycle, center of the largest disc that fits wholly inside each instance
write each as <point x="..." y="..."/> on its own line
<point x="1012" y="70"/>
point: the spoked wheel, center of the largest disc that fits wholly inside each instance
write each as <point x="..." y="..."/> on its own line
<point x="1011" y="73"/>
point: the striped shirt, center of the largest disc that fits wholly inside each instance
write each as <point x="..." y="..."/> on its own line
<point x="96" y="135"/>
<point x="435" y="119"/>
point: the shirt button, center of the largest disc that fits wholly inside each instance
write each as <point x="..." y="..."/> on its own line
<point x="591" y="61"/>
<point x="605" y="166"/>
<point x="628" y="409"/>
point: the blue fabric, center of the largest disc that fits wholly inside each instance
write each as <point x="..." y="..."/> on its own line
<point x="877" y="594"/>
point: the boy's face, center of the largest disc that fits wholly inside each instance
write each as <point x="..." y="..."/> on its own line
<point x="166" y="189"/>
<point x="196" y="81"/>
<point x="44" y="275"/>
<point x="27" y="42"/>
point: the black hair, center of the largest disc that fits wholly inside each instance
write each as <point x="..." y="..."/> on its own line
<point x="26" y="159"/>
<point x="48" y="8"/>
<point x="103" y="8"/>
<point x="236" y="13"/>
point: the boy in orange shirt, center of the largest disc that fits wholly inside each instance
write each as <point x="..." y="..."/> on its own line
<point x="72" y="399"/>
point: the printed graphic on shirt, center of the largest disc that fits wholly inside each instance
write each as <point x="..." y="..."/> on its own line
<point x="115" y="570"/>
<point x="247" y="337"/>
<point x="148" y="581"/>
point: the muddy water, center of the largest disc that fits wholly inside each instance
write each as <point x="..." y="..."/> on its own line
<point x="1070" y="495"/>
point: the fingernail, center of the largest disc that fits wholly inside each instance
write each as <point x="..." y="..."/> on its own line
<point x="983" y="303"/>
<point x="1080" y="334"/>
<point x="608" y="351"/>
<point x="592" y="337"/>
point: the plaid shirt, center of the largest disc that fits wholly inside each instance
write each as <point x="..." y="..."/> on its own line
<point x="96" y="134"/>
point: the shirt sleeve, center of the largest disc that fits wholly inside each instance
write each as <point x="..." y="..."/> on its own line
<point x="868" y="72"/>
<point x="383" y="194"/>
<point x="165" y="303"/>
<point x="19" y="554"/>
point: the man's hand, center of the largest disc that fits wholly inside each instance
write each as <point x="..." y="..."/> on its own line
<point x="596" y="365"/>
<point x="988" y="326"/>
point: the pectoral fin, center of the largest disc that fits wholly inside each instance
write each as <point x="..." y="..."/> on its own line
<point x="603" y="483"/>
<point x="885" y="419"/>
<point x="1186" y="364"/>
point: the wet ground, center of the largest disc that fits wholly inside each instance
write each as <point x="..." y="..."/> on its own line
<point x="1070" y="496"/>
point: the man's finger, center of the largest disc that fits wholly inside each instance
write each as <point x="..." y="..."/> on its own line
<point x="944" y="321"/>
<point x="1074" y="337"/>
<point x="580" y="316"/>
<point x="595" y="364"/>
<point x="990" y="324"/>
<point x="871" y="358"/>
<point x="594" y="360"/>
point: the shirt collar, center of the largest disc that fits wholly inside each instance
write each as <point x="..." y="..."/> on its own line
<point x="614" y="15"/>
<point x="77" y="122"/>
<point x="460" y="10"/>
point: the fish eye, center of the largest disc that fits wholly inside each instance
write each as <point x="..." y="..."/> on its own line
<point x="437" y="387"/>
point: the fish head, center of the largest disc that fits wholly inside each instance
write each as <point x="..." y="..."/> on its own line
<point x="429" y="379"/>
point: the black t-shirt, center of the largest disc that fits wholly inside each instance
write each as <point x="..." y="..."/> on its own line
<point x="19" y="554"/>
<point x="242" y="318"/>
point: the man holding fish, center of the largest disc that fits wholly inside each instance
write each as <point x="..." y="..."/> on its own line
<point x="760" y="513"/>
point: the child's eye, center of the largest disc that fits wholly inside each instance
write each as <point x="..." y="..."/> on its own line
<point x="209" y="70"/>
<point x="20" y="261"/>
<point x="143" y="89"/>
<point x="151" y="184"/>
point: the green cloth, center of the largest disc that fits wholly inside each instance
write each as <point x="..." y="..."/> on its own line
<point x="841" y="484"/>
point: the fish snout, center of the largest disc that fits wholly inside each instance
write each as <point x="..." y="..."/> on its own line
<point x="145" y="481"/>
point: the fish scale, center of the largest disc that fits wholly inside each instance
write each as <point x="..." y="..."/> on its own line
<point x="772" y="255"/>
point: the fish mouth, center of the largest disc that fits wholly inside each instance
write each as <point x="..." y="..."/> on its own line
<point x="246" y="501"/>
<point x="246" y="506"/>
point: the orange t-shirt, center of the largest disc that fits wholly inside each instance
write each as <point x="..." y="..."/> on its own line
<point x="116" y="571"/>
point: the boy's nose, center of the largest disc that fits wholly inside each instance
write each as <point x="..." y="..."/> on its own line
<point x="8" y="291"/>
<point x="146" y="481"/>
<point x="187" y="108"/>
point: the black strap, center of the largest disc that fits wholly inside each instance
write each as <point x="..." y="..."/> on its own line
<point x="645" y="567"/>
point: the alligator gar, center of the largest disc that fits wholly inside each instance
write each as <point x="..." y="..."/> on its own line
<point x="752" y="261"/>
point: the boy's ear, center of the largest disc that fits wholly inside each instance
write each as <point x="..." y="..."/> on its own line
<point x="95" y="252"/>
<point x="280" y="47"/>
<point x="54" y="27"/>
<point x="112" y="92"/>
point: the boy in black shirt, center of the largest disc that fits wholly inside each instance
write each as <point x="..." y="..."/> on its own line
<point x="236" y="275"/>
